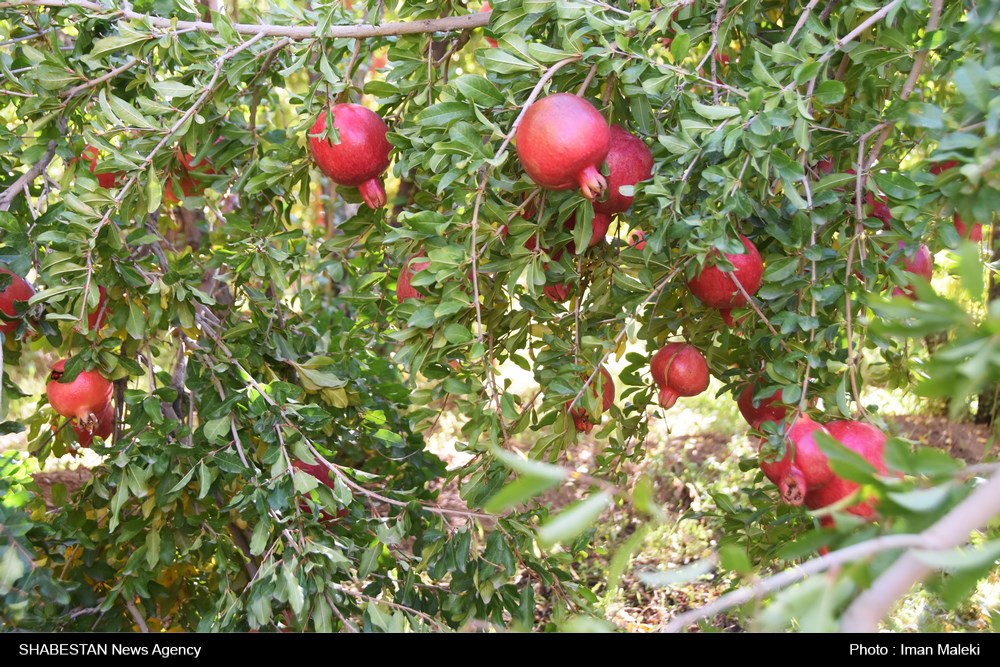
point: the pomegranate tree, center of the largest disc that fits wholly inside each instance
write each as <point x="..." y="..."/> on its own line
<point x="603" y="386"/>
<point x="562" y="142"/>
<point x="105" y="179"/>
<point x="629" y="162"/>
<point x="17" y="292"/>
<point x="678" y="369"/>
<point x="360" y="155"/>
<point x="82" y="399"/>
<point x="717" y="288"/>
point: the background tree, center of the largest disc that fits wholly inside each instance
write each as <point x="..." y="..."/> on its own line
<point x="267" y="468"/>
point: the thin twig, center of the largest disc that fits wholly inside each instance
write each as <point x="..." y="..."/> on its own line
<point x="139" y="620"/>
<point x="788" y="577"/>
<point x="8" y="196"/>
<point x="446" y="24"/>
<point x="87" y="85"/>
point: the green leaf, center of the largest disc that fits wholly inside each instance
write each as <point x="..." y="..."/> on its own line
<point x="681" y="575"/>
<point x="154" y="191"/>
<point x="479" y="90"/>
<point x="719" y="112"/>
<point x="172" y="88"/>
<point x="961" y="559"/>
<point x="216" y="430"/>
<point x="830" y="92"/>
<point x="573" y="521"/>
<point x="128" y="114"/>
<point x="502" y="62"/>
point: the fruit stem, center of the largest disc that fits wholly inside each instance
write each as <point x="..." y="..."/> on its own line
<point x="592" y="182"/>
<point x="373" y="193"/>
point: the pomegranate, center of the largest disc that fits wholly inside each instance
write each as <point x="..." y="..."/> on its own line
<point x="404" y="289"/>
<point x="559" y="293"/>
<point x="637" y="239"/>
<point x="322" y="473"/>
<point x="768" y="409"/>
<point x="82" y="400"/>
<point x="921" y="265"/>
<point x="825" y="166"/>
<point x="804" y="466"/>
<point x="716" y="288"/>
<point x="190" y="186"/>
<point x="562" y="141"/>
<point x="598" y="228"/>
<point x="629" y="162"/>
<point x="678" y="369"/>
<point x="602" y="386"/>
<point x="864" y="439"/>
<point x="18" y="291"/>
<point x="362" y="154"/>
<point x="97" y="317"/>
<point x="879" y="208"/>
<point x="486" y="8"/>
<point x="941" y="167"/>
<point x="105" y="180"/>
<point x="973" y="232"/>
<point x="103" y="427"/>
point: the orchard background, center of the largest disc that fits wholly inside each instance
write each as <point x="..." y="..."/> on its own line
<point x="252" y="324"/>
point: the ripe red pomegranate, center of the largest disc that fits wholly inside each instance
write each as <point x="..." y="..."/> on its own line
<point x="598" y="228"/>
<point x="803" y="467"/>
<point x="322" y="473"/>
<point x="769" y="409"/>
<point x="629" y="162"/>
<point x="562" y="142"/>
<point x="190" y="186"/>
<point x="921" y="264"/>
<point x="98" y="316"/>
<point x="678" y="369"/>
<point x="559" y="293"/>
<point x="863" y="439"/>
<point x="879" y="208"/>
<point x="941" y="167"/>
<point x="103" y="427"/>
<point x="637" y="239"/>
<point x="105" y="180"/>
<point x="362" y="154"/>
<point x="83" y="399"/>
<point x="486" y="8"/>
<point x="825" y="166"/>
<point x="973" y="232"/>
<point x="715" y="288"/>
<point x="603" y="386"/>
<point x="404" y="289"/>
<point x="18" y="291"/>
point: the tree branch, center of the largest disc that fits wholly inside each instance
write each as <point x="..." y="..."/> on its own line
<point x="446" y="24"/>
<point x="8" y="196"/>
<point x="87" y="85"/>
<point x="792" y="575"/>
<point x="950" y="531"/>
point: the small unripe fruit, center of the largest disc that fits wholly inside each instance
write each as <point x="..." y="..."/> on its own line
<point x="362" y="154"/>
<point x="637" y="239"/>
<point x="82" y="399"/>
<point x="562" y="142"/>
<point x="17" y="292"/>
<point x="678" y="369"/>
<point x="629" y="162"/>
<point x="607" y="393"/>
